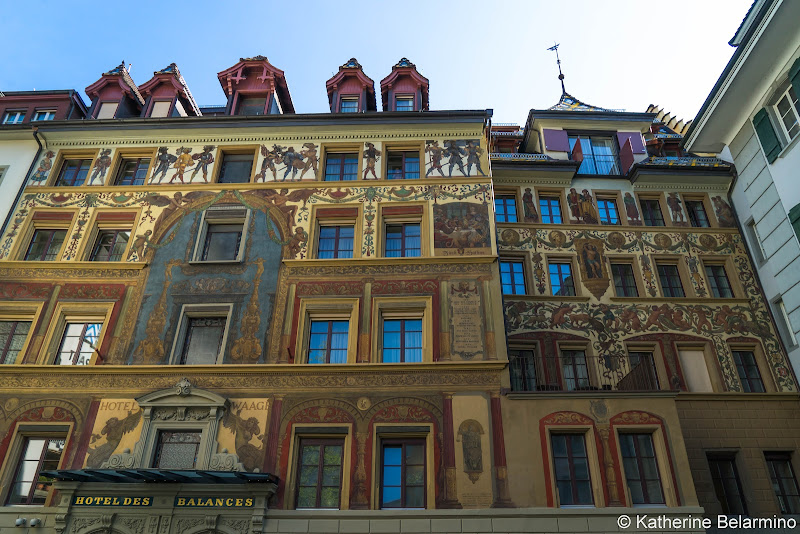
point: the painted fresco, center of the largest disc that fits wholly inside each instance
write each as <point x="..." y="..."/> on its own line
<point x="173" y="164"/>
<point x="464" y="156"/>
<point x="631" y="209"/>
<point x="461" y="228"/>
<point x="243" y="431"/>
<point x="117" y="427"/>
<point x="42" y="172"/>
<point x="581" y="207"/>
<point x="473" y="451"/>
<point x="282" y="163"/>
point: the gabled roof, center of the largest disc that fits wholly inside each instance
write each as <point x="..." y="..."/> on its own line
<point x="567" y="102"/>
<point x="120" y="74"/>
<point x="404" y="67"/>
<point x="172" y="75"/>
<point x="352" y="68"/>
<point x="228" y="78"/>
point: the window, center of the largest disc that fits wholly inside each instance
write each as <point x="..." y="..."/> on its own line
<point x="783" y="480"/>
<point x="328" y="340"/>
<point x="641" y="468"/>
<point x="607" y="208"/>
<point x="73" y="172"/>
<point x="341" y="167"/>
<point x="643" y="371"/>
<point x="14" y="117"/>
<point x="522" y="368"/>
<point x="403" y="473"/>
<point x="404" y="103"/>
<point x="786" y="325"/>
<point x="44" y="115"/>
<point x="718" y="282"/>
<point x="78" y="343"/>
<point x="222" y="242"/>
<point x="251" y="105"/>
<point x="505" y="208"/>
<point x="599" y="154"/>
<point x="349" y="105"/>
<point x="13" y="335"/>
<point x="133" y="171"/>
<point x="550" y="209"/>
<point x="747" y="368"/>
<point x="319" y="479"/>
<point x="624" y="280"/>
<point x="697" y="213"/>
<point x="203" y="342"/>
<point x="403" y="241"/>
<point x="177" y="450"/>
<point x="402" y="165"/>
<point x="789" y="111"/>
<point x="575" y="370"/>
<point x="161" y="109"/>
<point x="29" y="486"/>
<point x="571" y="466"/>
<point x="45" y="245"/>
<point x="235" y="168"/>
<point x="335" y="242"/>
<point x="110" y="245"/>
<point x="402" y="340"/>
<point x="727" y="485"/>
<point x="561" y="282"/>
<point x="651" y="212"/>
<point x="107" y="110"/>
<point x="512" y="276"/>
<point x="670" y="279"/>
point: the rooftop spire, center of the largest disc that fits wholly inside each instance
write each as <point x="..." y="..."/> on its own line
<point x="554" y="48"/>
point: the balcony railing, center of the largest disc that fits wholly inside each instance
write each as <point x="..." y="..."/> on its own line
<point x="576" y="371"/>
<point x="519" y="156"/>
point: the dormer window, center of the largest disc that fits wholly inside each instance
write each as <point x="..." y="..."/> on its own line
<point x="107" y="110"/>
<point x="789" y="113"/>
<point x="161" y="109"/>
<point x="599" y="154"/>
<point x="44" y="115"/>
<point x="404" y="103"/>
<point x="252" y="105"/>
<point x="349" y="105"/>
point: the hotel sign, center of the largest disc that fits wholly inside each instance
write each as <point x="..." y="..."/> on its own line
<point x="112" y="501"/>
<point x="214" y="502"/>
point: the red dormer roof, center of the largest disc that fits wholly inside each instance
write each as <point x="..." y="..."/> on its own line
<point x="405" y="71"/>
<point x="116" y="77"/>
<point x="255" y="73"/>
<point x="350" y="76"/>
<point x="170" y="76"/>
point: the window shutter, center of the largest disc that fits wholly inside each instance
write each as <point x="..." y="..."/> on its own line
<point x="794" y="75"/>
<point x="766" y="134"/>
<point x="794" y="218"/>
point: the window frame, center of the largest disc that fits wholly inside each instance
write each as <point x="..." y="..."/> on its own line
<point x="514" y="260"/>
<point x="222" y="214"/>
<point x="342" y="215"/>
<point x="663" y="458"/>
<point x="199" y="311"/>
<point x="392" y="150"/>
<point x="120" y="168"/>
<point x="707" y="211"/>
<point x="241" y="96"/>
<point x="344" y="157"/>
<point x="298" y="457"/>
<point x="726" y="456"/>
<point x="413" y="213"/>
<point x="158" y="446"/>
<point x="51" y="111"/>
<point x="784" y="324"/>
<point x="505" y="196"/>
<point x="392" y="431"/>
<point x="22" y="311"/>
<point x="756" y="364"/>
<point x="98" y="235"/>
<point x="588" y="364"/>
<point x="590" y="440"/>
<point x="670" y="262"/>
<point x="104" y="103"/>
<point x="549" y="195"/>
<point x="333" y="309"/>
<point x="219" y="162"/>
<point x="74" y="312"/>
<point x="405" y="97"/>
<point x="349" y="98"/>
<point x="330" y="431"/>
<point x="640" y="464"/>
<point x="19" y="116"/>
<point x="609" y="197"/>
<point x="46" y="250"/>
<point x="561" y="260"/>
<point x="631" y="263"/>
<point x="525" y="370"/>
<point x="783" y="456"/>
<point x="643" y="198"/>
<point x="710" y="264"/>
<point x="51" y="219"/>
<point x="611" y="136"/>
<point x="793" y="108"/>
<point x="420" y="307"/>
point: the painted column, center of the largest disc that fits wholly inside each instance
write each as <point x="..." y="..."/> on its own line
<point x="288" y="319"/>
<point x="610" y="468"/>
<point x="364" y="345"/>
<point x="488" y="319"/>
<point x="271" y="451"/>
<point x="449" y="454"/>
<point x="358" y="495"/>
<point x="444" y="322"/>
<point x="502" y="497"/>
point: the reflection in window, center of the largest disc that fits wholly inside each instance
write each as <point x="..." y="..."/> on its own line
<point x="641" y="468"/>
<point x="28" y="485"/>
<point x="78" y="343"/>
<point x="319" y="479"/>
<point x="403" y="241"/>
<point x="328" y="341"/>
<point x="335" y="242"/>
<point x="571" y="466"/>
<point x="403" y="474"/>
<point x="599" y="155"/>
<point x="402" y="340"/>
<point x="45" y="245"/>
<point x="12" y="338"/>
<point x="222" y="242"/>
<point x="110" y="245"/>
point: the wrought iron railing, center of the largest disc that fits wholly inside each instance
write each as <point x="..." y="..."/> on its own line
<point x="518" y="156"/>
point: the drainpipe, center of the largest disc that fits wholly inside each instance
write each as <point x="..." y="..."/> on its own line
<point x="24" y="181"/>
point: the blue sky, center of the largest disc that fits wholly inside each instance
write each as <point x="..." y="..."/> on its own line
<point x="616" y="54"/>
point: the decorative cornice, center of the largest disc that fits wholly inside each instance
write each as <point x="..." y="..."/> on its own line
<point x="620" y="228"/>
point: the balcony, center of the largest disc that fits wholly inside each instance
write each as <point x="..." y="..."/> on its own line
<point x="574" y="370"/>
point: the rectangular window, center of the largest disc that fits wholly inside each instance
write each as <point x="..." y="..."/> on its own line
<point x="402" y="340"/>
<point x="522" y="368"/>
<point x="727" y="485"/>
<point x="404" y="103"/>
<point x="718" y="282"/>
<point x="697" y="214"/>
<point x="12" y="338"/>
<point x="177" y="449"/>
<point x="784" y="483"/>
<point x="403" y="241"/>
<point x="607" y="208"/>
<point x="670" y="279"/>
<point x="550" y="210"/>
<point x="349" y="105"/>
<point x="787" y="325"/>
<point x="561" y="281"/>
<point x="747" y="368"/>
<point x="235" y="168"/>
<point x="789" y="113"/>
<point x="643" y="375"/>
<point x="252" y="105"/>
<point x="512" y="277"/>
<point x="14" y="117"/>
<point x="402" y="165"/>
<point x="575" y="370"/>
<point x="599" y="154"/>
<point x="624" y="280"/>
<point x="327" y="341"/>
<point x="341" y="167"/>
<point x="29" y="486"/>
<point x="73" y="172"/>
<point x="571" y="466"/>
<point x="45" y="245"/>
<point x="44" y="115"/>
<point x="505" y="208"/>
<point x="319" y="473"/>
<point x="203" y="342"/>
<point x="335" y="242"/>
<point x="641" y="468"/>
<point x="78" y="343"/>
<point x="133" y="171"/>
<point x="651" y="212"/>
<point x="161" y="109"/>
<point x="403" y="473"/>
<point x="110" y="245"/>
<point x="222" y="242"/>
<point x="107" y="110"/>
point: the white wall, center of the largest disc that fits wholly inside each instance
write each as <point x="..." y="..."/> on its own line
<point x="17" y="156"/>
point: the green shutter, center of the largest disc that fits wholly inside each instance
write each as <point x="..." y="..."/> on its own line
<point x="794" y="75"/>
<point x="794" y="218"/>
<point x="767" y="136"/>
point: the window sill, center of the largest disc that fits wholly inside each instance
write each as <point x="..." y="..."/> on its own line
<point x="214" y="262"/>
<point x="788" y="148"/>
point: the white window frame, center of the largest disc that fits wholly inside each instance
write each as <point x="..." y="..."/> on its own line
<point x="793" y="108"/>
<point x="50" y="115"/>
<point x="189" y="311"/>
<point x="18" y="114"/>
<point x="233" y="214"/>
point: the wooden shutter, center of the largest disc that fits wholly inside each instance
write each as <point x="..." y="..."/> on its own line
<point x="794" y="218"/>
<point x="767" y="136"/>
<point x="794" y="75"/>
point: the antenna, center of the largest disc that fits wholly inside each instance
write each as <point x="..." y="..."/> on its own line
<point x="554" y="48"/>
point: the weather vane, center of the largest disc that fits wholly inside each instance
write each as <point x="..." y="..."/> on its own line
<point x="554" y="48"/>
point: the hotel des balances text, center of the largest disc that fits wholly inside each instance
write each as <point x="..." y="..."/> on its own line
<point x="242" y="319"/>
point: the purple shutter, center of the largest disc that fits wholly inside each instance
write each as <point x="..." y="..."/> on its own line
<point x="636" y="141"/>
<point x="556" y="140"/>
<point x="626" y="156"/>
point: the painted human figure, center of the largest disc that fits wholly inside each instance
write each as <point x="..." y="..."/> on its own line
<point x="164" y="160"/>
<point x="140" y="245"/>
<point x="588" y="212"/>
<point x="101" y="166"/>
<point x="182" y="162"/>
<point x="724" y="212"/>
<point x="44" y="167"/>
<point x="631" y="209"/>
<point x="574" y="201"/>
<point x="371" y="155"/>
<point x="674" y="204"/>
<point x="204" y="159"/>
<point x="436" y="152"/>
<point x="474" y="157"/>
<point x="288" y="159"/>
<point x="529" y="206"/>
<point x="592" y="260"/>
<point x="455" y="153"/>
<point x="309" y="152"/>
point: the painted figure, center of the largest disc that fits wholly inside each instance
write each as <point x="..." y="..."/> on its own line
<point x="469" y="434"/>
<point x="309" y="152"/>
<point x="164" y="160"/>
<point x="371" y="154"/>
<point x="295" y="245"/>
<point x="674" y="204"/>
<point x="113" y="430"/>
<point x="724" y="212"/>
<point x="436" y="152"/>
<point x="140" y="244"/>
<point x="631" y="209"/>
<point x="43" y="170"/>
<point x="588" y="212"/>
<point x="574" y="201"/>
<point x="593" y="261"/>
<point x="289" y="158"/>
<point x="474" y="157"/>
<point x="529" y="206"/>
<point x="101" y="165"/>
<point x="244" y="430"/>
<point x="182" y="162"/>
<point x="204" y="159"/>
<point x="455" y="153"/>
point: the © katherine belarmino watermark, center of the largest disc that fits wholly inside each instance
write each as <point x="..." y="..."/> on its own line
<point x="661" y="522"/>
